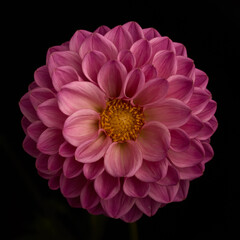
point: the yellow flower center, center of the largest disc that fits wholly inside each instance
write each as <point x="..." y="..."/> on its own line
<point x="121" y="120"/>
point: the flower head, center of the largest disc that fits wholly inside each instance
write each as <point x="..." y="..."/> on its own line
<point x="120" y="120"/>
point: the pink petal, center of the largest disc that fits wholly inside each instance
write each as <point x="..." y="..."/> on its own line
<point x="117" y="206"/>
<point x="50" y="140"/>
<point x="42" y="163"/>
<point x="127" y="59"/>
<point x="154" y="140"/>
<point x="180" y="87"/>
<point x="188" y="158"/>
<point x="106" y="186"/>
<point x="80" y="95"/>
<point x="171" y="177"/>
<point x="102" y="30"/>
<point x="214" y="123"/>
<point x="179" y="140"/>
<point x="35" y="130"/>
<point x="96" y="59"/>
<point x="133" y="215"/>
<point x="50" y="115"/>
<point x="207" y="113"/>
<point x="123" y="159"/>
<point x="92" y="170"/>
<point x="153" y="91"/>
<point x="149" y="71"/>
<point x="72" y="168"/>
<point x="97" y="210"/>
<point x="92" y="151"/>
<point x="59" y="48"/>
<point x="25" y="123"/>
<point x="54" y="182"/>
<point x="133" y="187"/>
<point x="42" y="77"/>
<point x="66" y="150"/>
<point x="171" y="112"/>
<point x="182" y="191"/>
<point x="142" y="51"/>
<point x="152" y="171"/>
<point x="29" y="146"/>
<point x="97" y="42"/>
<point x="201" y="79"/>
<point x="190" y="173"/>
<point x="135" y="81"/>
<point x="135" y="30"/>
<point x="165" y="63"/>
<point x="150" y="33"/>
<point x="77" y="40"/>
<point x="180" y="49"/>
<point x="55" y="163"/>
<point x="206" y="132"/>
<point x="208" y="152"/>
<point x="121" y="38"/>
<point x="193" y="126"/>
<point x="64" y="75"/>
<point x="74" y="202"/>
<point x="185" y="66"/>
<point x="111" y="78"/>
<point x="81" y="126"/>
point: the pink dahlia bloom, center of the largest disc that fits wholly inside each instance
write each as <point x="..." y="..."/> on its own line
<point x="120" y="120"/>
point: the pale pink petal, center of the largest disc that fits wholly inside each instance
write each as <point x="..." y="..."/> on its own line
<point x="111" y="78"/>
<point x="25" y="123"/>
<point x="72" y="168"/>
<point x="180" y="87"/>
<point x="91" y="64"/>
<point x="102" y="30"/>
<point x="127" y="59"/>
<point x="50" y="140"/>
<point x="150" y="72"/>
<point x="121" y="38"/>
<point x="133" y="215"/>
<point x="165" y="63"/>
<point x="171" y="178"/>
<point x="185" y="66"/>
<point x="152" y="91"/>
<point x="154" y="140"/>
<point x="55" y="163"/>
<point x="152" y="171"/>
<point x="193" y="126"/>
<point x="77" y="40"/>
<point x="35" y="129"/>
<point x="92" y="151"/>
<point x="80" y="95"/>
<point x="179" y="140"/>
<point x="135" y="30"/>
<point x="180" y="49"/>
<point x="150" y="33"/>
<point x="190" y="173"/>
<point x="81" y="126"/>
<point x="188" y="158"/>
<point x="42" y="77"/>
<point x="201" y="79"/>
<point x="98" y="42"/>
<point x="92" y="170"/>
<point x="206" y="132"/>
<point x="135" y="81"/>
<point x="64" y="75"/>
<point x="54" y="182"/>
<point x="106" y="186"/>
<point x="142" y="51"/>
<point x="182" y="191"/>
<point x="117" y="206"/>
<point x="66" y="149"/>
<point x="50" y="115"/>
<point x="207" y="113"/>
<point x="133" y="187"/>
<point x="123" y="159"/>
<point x="171" y="112"/>
<point x="30" y="147"/>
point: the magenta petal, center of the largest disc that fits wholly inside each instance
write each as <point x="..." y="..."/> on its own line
<point x="102" y="30"/>
<point x="135" y="30"/>
<point x="201" y="79"/>
<point x="179" y="140"/>
<point x="150" y="33"/>
<point x="171" y="178"/>
<point x="165" y="62"/>
<point x="185" y="66"/>
<point x="206" y="132"/>
<point x="154" y="140"/>
<point x="74" y="202"/>
<point x="92" y="170"/>
<point x="72" y="168"/>
<point x="142" y="51"/>
<point x="54" y="182"/>
<point x="149" y="71"/>
<point x="77" y="40"/>
<point x="133" y="215"/>
<point x="188" y="158"/>
<point x="55" y="163"/>
<point x="127" y="59"/>
<point x="42" y="77"/>
<point x="66" y="150"/>
<point x="30" y="147"/>
<point x="35" y="130"/>
<point x="193" y="126"/>
<point x="42" y="163"/>
<point x="59" y="48"/>
<point x="133" y="187"/>
<point x="106" y="186"/>
<point x="25" y="123"/>
<point x="96" y="59"/>
<point x="111" y="78"/>
<point x="50" y="140"/>
<point x="190" y="173"/>
<point x="81" y="126"/>
<point x="80" y="95"/>
<point x="207" y="113"/>
<point x="123" y="159"/>
<point x="180" y="49"/>
<point x="182" y="191"/>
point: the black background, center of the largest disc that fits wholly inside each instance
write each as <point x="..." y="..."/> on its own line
<point x="209" y="32"/>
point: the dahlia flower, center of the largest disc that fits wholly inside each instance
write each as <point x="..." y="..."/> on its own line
<point x="120" y="120"/>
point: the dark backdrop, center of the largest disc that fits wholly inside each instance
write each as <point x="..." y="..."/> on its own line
<point x="208" y="30"/>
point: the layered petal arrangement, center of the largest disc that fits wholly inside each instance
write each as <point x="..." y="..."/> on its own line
<point x="120" y="120"/>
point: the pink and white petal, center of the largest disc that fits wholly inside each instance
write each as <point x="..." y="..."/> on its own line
<point x="142" y="51"/>
<point x="201" y="79"/>
<point x="96" y="59"/>
<point x="133" y="215"/>
<point x="50" y="140"/>
<point x="64" y="75"/>
<point x="74" y="202"/>
<point x="180" y="87"/>
<point x="96" y="41"/>
<point x="133" y="187"/>
<point x="30" y="147"/>
<point x="179" y="140"/>
<point x="123" y="159"/>
<point x="163" y="194"/>
<point x="50" y="114"/>
<point x="127" y="59"/>
<point x="150" y="33"/>
<point x="35" y="129"/>
<point x="54" y="183"/>
<point x="190" y="173"/>
<point x="66" y="149"/>
<point x="77" y="40"/>
<point x="135" y="81"/>
<point x="171" y="178"/>
<point x="121" y="38"/>
<point x="92" y="151"/>
<point x="152" y="91"/>
<point x="193" y="126"/>
<point x="154" y="141"/>
<point x="25" y="123"/>
<point x="42" y="77"/>
<point x="207" y="113"/>
<point x="149" y="71"/>
<point x="188" y="158"/>
<point x="92" y="170"/>
<point x="111" y="78"/>
<point x="171" y="112"/>
<point x="102" y="30"/>
<point x="165" y="63"/>
<point x="81" y="126"/>
<point x="80" y="95"/>
<point x="185" y="66"/>
<point x="117" y="206"/>
<point x="152" y="171"/>
<point x="180" y="49"/>
<point x="55" y="163"/>
<point x="182" y="191"/>
<point x="134" y="29"/>
<point x="72" y="168"/>
<point x="106" y="186"/>
<point x="206" y="132"/>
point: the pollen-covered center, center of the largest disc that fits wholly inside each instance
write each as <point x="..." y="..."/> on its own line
<point x="121" y="120"/>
